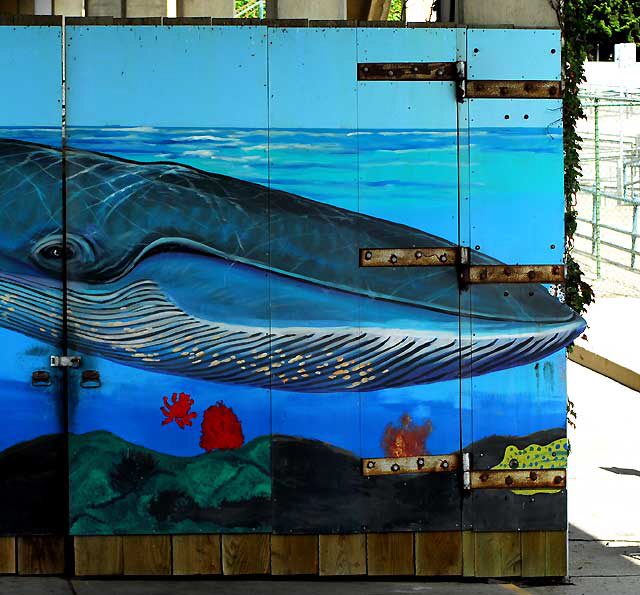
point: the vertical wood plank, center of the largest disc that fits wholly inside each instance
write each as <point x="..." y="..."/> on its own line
<point x="146" y="555"/>
<point x="556" y="553"/>
<point x="7" y="555"/>
<point x="342" y="555"/>
<point x="544" y="553"/>
<point x="439" y="553"/>
<point x="42" y="554"/>
<point x="246" y="554"/>
<point x="498" y="554"/>
<point x="196" y="554"/>
<point x="294" y="554"/>
<point x="98" y="556"/>
<point x="468" y="553"/>
<point x="534" y="553"/>
<point x="390" y="554"/>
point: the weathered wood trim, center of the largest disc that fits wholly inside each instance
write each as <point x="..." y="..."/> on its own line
<point x="497" y="554"/>
<point x="196" y="555"/>
<point x="439" y="553"/>
<point x="606" y="367"/>
<point x="246" y="554"/>
<point x="390" y="554"/>
<point x="7" y="555"/>
<point x="98" y="556"/>
<point x="294" y="554"/>
<point x="147" y="555"/>
<point x="41" y="554"/>
<point x="342" y="555"/>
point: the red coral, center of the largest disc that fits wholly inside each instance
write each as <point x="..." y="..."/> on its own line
<point x="178" y="410"/>
<point x="408" y="440"/>
<point x="221" y="428"/>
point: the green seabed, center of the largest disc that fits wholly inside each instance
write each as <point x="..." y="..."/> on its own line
<point x="120" y="487"/>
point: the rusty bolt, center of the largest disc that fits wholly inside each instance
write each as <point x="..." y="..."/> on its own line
<point x="513" y="463"/>
<point x="484" y="476"/>
<point x="504" y="91"/>
<point x="553" y="91"/>
<point x="420" y="463"/>
<point x="393" y="259"/>
<point x="443" y="258"/>
<point x="418" y="254"/>
<point x="477" y="247"/>
<point x="371" y="464"/>
<point x="506" y="271"/>
<point x="508" y="480"/>
<point x="366" y="69"/>
<point x="444" y="465"/>
<point x="555" y="270"/>
<point x="533" y="476"/>
<point x="483" y="274"/>
<point x="391" y="73"/>
<point x="531" y="274"/>
<point x="506" y="294"/>
<point x="395" y="467"/>
<point x="415" y="69"/>
<point x="557" y="479"/>
<point x="439" y="72"/>
<point x="528" y="87"/>
<point x="368" y="255"/>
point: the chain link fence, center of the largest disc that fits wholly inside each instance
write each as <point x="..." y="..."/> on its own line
<point x="607" y="243"/>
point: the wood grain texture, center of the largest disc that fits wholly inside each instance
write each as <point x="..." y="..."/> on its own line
<point x="468" y="553"/>
<point x="246" y="554"/>
<point x="498" y="554"/>
<point x="98" y="556"/>
<point x="42" y="554"/>
<point x="196" y="554"/>
<point x="147" y="555"/>
<point x="390" y="554"/>
<point x="342" y="555"/>
<point x="7" y="555"/>
<point x="544" y="553"/>
<point x="439" y="553"/>
<point x="294" y="554"/>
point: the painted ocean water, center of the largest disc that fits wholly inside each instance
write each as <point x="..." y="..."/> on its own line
<point x="404" y="176"/>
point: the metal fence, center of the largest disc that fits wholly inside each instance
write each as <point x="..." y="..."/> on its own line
<point x="609" y="198"/>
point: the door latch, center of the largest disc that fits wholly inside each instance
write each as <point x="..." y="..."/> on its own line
<point x="65" y="361"/>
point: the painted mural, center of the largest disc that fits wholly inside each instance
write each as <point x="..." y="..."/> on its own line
<point x="237" y="362"/>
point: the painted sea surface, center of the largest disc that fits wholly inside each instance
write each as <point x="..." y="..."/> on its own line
<point x="403" y="176"/>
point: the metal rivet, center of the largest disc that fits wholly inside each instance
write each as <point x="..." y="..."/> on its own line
<point x="395" y="467"/>
<point x="443" y="258"/>
<point x="553" y="246"/>
<point x="526" y="116"/>
<point x="368" y="255"/>
<point x="439" y="72"/>
<point x="393" y="259"/>
<point x="531" y="274"/>
<point x="513" y="463"/>
<point x="484" y="477"/>
<point x="391" y="73"/>
<point x="504" y="91"/>
<point x="371" y="464"/>
<point x="506" y="116"/>
<point x="366" y="69"/>
<point x="415" y="69"/>
<point x="553" y="51"/>
<point x="475" y="50"/>
<point x="444" y="465"/>
<point x="420" y="463"/>
<point x="506" y="272"/>
<point x="533" y="476"/>
<point x="557" y="479"/>
<point x="418" y="254"/>
<point x="506" y="293"/>
<point x="555" y="270"/>
<point x="508" y="480"/>
<point x="553" y="91"/>
<point x="531" y="294"/>
<point x="477" y="247"/>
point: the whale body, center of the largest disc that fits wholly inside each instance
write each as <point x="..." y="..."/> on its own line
<point x="185" y="272"/>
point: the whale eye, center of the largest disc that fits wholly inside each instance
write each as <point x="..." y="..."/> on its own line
<point x="56" y="251"/>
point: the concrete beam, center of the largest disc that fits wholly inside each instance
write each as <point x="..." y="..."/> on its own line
<point x="220" y="9"/>
<point x="68" y="8"/>
<point x="146" y="8"/>
<point x="104" y="8"/>
<point x="312" y="9"/>
<point x="530" y="13"/>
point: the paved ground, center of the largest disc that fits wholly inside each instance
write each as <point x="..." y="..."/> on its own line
<point x="604" y="510"/>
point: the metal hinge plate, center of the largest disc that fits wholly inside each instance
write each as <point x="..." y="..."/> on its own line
<point x="416" y="464"/>
<point x="65" y="361"/>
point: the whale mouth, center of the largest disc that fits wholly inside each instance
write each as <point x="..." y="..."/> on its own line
<point x="138" y="325"/>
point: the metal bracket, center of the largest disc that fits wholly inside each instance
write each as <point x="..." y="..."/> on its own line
<point x="407" y="71"/>
<point x="514" y="89"/>
<point x="417" y="464"/>
<point x="65" y="361"/>
<point x="521" y="479"/>
<point x="416" y="257"/>
<point x="531" y="273"/>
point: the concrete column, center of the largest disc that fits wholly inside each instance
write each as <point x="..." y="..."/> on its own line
<point x="68" y="8"/>
<point x="43" y="7"/>
<point x="146" y="8"/>
<point x="104" y="8"/>
<point x="530" y="13"/>
<point x="312" y="9"/>
<point x="220" y="9"/>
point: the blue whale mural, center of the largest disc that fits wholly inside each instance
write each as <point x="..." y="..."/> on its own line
<point x="180" y="271"/>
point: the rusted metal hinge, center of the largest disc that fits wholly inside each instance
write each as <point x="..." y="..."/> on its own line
<point x="417" y="464"/>
<point x="407" y="71"/>
<point x="460" y="257"/>
<point x="514" y="89"/>
<point x="521" y="479"/>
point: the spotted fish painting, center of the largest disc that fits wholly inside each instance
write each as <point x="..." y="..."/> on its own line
<point x="236" y="362"/>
